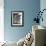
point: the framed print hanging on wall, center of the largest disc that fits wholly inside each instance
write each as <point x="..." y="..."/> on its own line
<point x="17" y="18"/>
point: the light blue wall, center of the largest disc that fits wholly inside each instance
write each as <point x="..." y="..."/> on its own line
<point x="30" y="7"/>
<point x="43" y="6"/>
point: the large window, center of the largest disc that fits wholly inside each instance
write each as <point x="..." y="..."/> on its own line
<point x="1" y="21"/>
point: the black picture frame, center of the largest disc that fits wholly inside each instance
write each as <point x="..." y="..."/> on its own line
<point x="17" y="18"/>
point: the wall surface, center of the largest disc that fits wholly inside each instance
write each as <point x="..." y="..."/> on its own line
<point x="43" y="6"/>
<point x="30" y="7"/>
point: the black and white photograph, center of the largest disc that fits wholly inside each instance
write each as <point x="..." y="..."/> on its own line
<point x="17" y="18"/>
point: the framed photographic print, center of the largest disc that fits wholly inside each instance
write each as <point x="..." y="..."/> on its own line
<point x="17" y="18"/>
